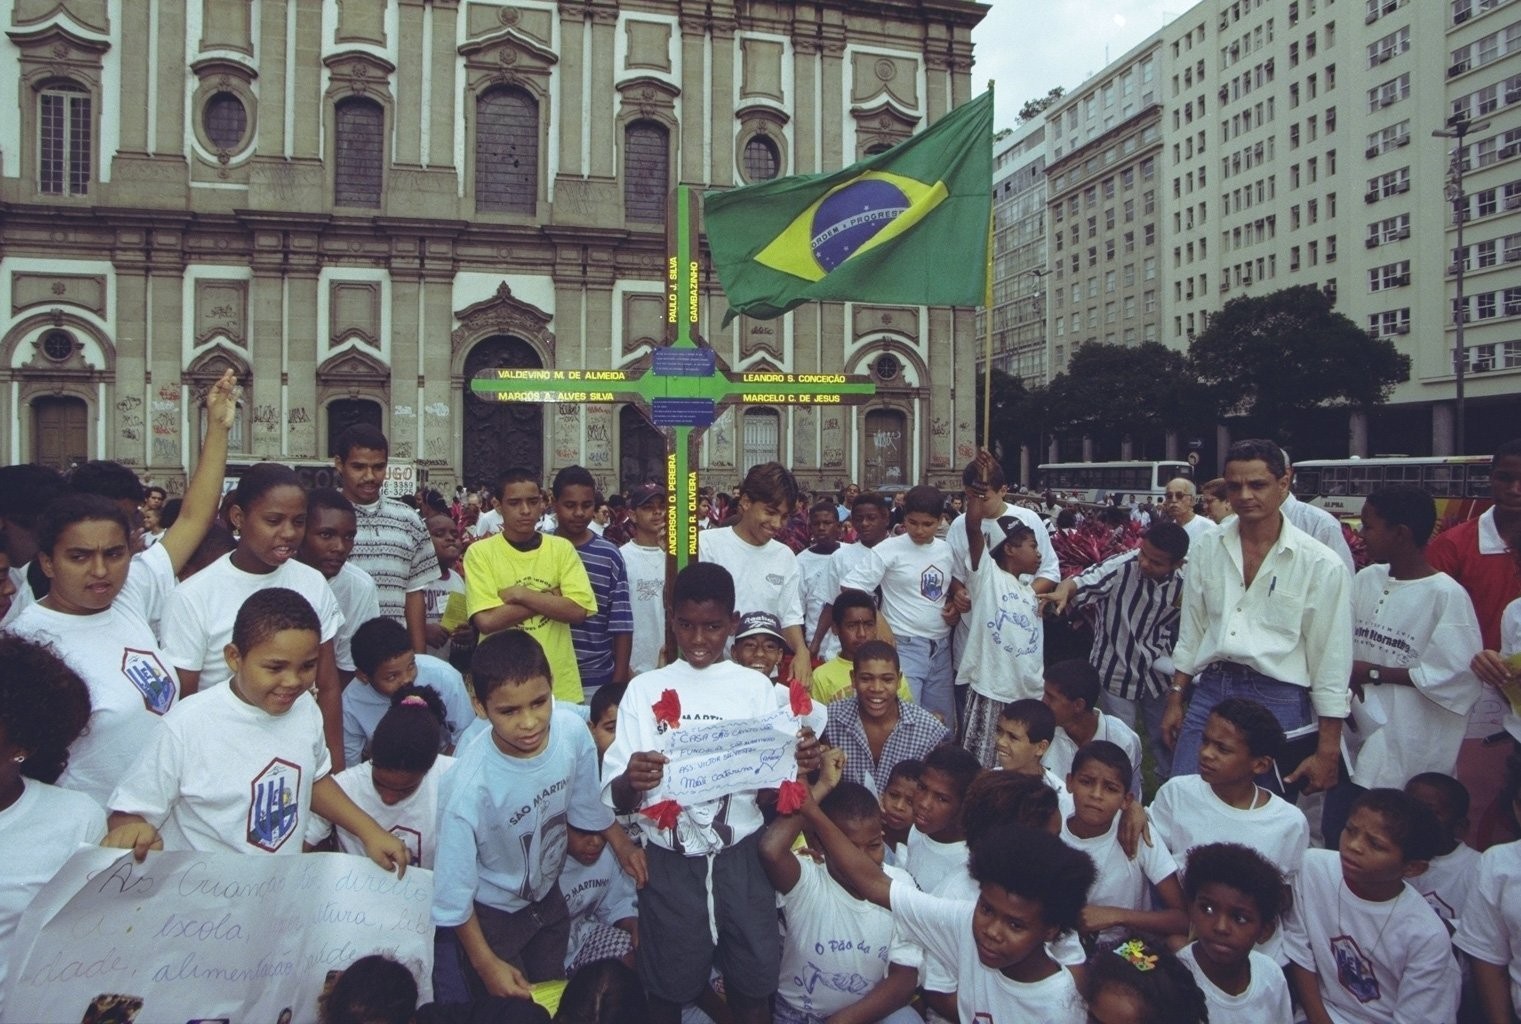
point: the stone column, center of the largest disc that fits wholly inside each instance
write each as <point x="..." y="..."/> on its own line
<point x="1443" y="429"/>
<point x="1357" y="434"/>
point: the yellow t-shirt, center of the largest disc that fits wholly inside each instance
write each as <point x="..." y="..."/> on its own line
<point x="492" y="565"/>
<point x="831" y="681"/>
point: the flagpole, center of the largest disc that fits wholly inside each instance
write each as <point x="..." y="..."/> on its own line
<point x="987" y="327"/>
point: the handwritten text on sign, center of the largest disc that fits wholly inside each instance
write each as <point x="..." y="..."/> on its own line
<point x="715" y="759"/>
<point x="199" y="936"/>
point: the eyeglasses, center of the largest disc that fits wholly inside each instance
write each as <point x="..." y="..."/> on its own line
<point x="1177" y="494"/>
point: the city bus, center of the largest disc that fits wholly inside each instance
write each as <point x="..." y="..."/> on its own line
<point x="1459" y="483"/>
<point x="1096" y="481"/>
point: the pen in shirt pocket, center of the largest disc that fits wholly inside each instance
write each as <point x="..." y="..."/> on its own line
<point x="1272" y="586"/>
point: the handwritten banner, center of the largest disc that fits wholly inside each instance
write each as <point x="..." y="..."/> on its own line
<point x="210" y="937"/>
<point x="715" y="759"/>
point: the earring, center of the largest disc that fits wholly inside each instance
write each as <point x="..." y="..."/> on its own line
<point x="19" y="759"/>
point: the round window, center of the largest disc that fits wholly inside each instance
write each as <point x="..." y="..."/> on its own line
<point x="886" y="367"/>
<point x="225" y="120"/>
<point x="58" y="345"/>
<point x="763" y="161"/>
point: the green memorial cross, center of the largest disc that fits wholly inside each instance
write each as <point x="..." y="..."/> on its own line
<point x="681" y="386"/>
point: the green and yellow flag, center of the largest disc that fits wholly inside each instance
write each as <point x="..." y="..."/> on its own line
<point x="906" y="226"/>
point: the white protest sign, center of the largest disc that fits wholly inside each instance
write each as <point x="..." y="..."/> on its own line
<point x="210" y="936"/>
<point x="718" y="758"/>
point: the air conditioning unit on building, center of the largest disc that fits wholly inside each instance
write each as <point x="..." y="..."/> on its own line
<point x="1371" y="152"/>
<point x="1400" y="281"/>
<point x="1402" y="233"/>
<point x="1370" y="197"/>
<point x="1402" y="329"/>
<point x="1456" y="70"/>
<point x="1370" y="243"/>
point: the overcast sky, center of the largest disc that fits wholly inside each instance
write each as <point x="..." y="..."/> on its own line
<point x="1029" y="46"/>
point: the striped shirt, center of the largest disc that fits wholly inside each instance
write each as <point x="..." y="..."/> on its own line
<point x="593" y="638"/>
<point x="1137" y="624"/>
<point x="393" y="546"/>
<point x="916" y="734"/>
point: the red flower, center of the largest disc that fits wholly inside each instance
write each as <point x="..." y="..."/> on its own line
<point x="790" y="796"/>
<point x="802" y="704"/>
<point x="668" y="710"/>
<point x="664" y="813"/>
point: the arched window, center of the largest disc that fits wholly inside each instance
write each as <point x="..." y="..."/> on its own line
<point x="64" y="144"/>
<point x="763" y="161"/>
<point x="646" y="170"/>
<point x="762" y="438"/>
<point x="506" y="151"/>
<point x="360" y="151"/>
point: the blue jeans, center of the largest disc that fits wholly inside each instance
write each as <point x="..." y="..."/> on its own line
<point x="1150" y="710"/>
<point x="1288" y="703"/>
<point x="927" y="664"/>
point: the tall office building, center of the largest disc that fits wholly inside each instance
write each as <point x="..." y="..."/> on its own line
<point x="1292" y="144"/>
<point x="1019" y="255"/>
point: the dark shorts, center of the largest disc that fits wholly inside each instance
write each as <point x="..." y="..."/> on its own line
<point x="676" y="950"/>
<point x="532" y="939"/>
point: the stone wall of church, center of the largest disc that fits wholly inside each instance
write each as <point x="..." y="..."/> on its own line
<point x="358" y="206"/>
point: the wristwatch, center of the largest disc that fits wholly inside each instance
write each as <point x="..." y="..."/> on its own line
<point x="1373" y="676"/>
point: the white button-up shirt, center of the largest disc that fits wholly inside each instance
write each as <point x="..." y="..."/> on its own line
<point x="1293" y="624"/>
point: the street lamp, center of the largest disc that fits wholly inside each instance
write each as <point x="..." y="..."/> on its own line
<point x="1458" y="127"/>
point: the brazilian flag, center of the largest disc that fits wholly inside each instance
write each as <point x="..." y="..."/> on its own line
<point x="906" y="226"/>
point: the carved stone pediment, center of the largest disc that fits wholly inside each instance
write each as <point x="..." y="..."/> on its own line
<point x="650" y="98"/>
<point x="52" y="51"/>
<point x="353" y="368"/>
<point x="504" y="313"/>
<point x="359" y="73"/>
<point x="883" y="123"/>
<point x="508" y="58"/>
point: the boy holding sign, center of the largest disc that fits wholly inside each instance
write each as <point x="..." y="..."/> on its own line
<point x="713" y="843"/>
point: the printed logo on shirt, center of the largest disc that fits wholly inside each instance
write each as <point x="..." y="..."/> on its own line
<point x="774" y="578"/>
<point x="932" y="583"/>
<point x="413" y="839"/>
<point x="1014" y="627"/>
<point x="1445" y="912"/>
<point x="1353" y="969"/>
<point x="144" y="671"/>
<point x="649" y="589"/>
<point x="274" y="806"/>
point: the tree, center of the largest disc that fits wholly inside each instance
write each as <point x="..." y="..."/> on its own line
<point x="1110" y="391"/>
<point x="1034" y="108"/>
<point x="1017" y="414"/>
<point x="1276" y="357"/>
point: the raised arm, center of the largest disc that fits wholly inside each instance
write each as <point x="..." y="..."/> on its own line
<point x="860" y="871"/>
<point x="203" y="495"/>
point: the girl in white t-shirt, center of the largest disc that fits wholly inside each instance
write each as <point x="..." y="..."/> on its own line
<point x="1031" y="889"/>
<point x="398" y="785"/>
<point x="1236" y="898"/>
<point x="268" y="511"/>
<point x="1137" y="983"/>
<point x="241" y="768"/>
<point x="43" y="707"/>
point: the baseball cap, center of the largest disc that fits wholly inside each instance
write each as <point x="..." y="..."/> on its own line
<point x="644" y="494"/>
<point x="762" y="624"/>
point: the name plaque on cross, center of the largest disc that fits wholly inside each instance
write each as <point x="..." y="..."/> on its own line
<point x="681" y="386"/>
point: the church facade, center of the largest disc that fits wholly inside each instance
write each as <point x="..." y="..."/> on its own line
<point x="359" y="206"/>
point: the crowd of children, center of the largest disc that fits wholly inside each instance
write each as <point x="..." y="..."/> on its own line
<point x="969" y="837"/>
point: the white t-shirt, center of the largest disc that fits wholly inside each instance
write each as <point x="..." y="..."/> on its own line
<point x="1004" y="655"/>
<point x="364" y="707"/>
<point x="225" y="776"/>
<point x="413" y="819"/>
<point x="1265" y="1001"/>
<point x="435" y="597"/>
<point x="1490" y="926"/>
<point x="132" y="686"/>
<point x="915" y="581"/>
<point x="489" y="522"/>
<point x="1120" y="881"/>
<point x="836" y="948"/>
<point x="199" y="615"/>
<point x="1186" y="813"/>
<point x="819" y="589"/>
<point x="721" y="692"/>
<point x="766" y="578"/>
<point x="359" y="601"/>
<point x="1377" y="961"/>
<point x="38" y="832"/>
<point x="1447" y="881"/>
<point x="1427" y="626"/>
<point x="597" y="893"/>
<point x="646" y="598"/>
<point x="929" y="860"/>
<point x="983" y="995"/>
<point x="502" y="820"/>
<point x="1058" y="756"/>
<point x="22" y="598"/>
<point x="1510" y="644"/>
<point x="1197" y="527"/>
<point x="992" y="535"/>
